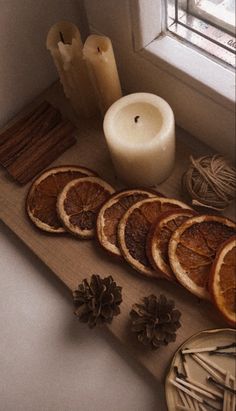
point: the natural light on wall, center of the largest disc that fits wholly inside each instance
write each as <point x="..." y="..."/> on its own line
<point x="207" y="24"/>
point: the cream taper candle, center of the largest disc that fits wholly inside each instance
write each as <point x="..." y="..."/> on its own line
<point x="99" y="55"/>
<point x="140" y="133"/>
<point x="65" y="45"/>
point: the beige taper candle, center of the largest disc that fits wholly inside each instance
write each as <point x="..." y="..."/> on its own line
<point x="99" y="55"/>
<point x="65" y="45"/>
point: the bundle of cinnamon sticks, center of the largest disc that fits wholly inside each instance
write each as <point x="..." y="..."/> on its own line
<point x="34" y="141"/>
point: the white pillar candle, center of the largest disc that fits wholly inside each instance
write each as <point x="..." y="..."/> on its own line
<point x="65" y="45"/>
<point x="140" y="133"/>
<point x="99" y="55"/>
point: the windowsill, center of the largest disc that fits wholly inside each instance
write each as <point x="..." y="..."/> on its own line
<point x="193" y="68"/>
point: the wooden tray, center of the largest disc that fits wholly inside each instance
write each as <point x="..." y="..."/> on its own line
<point x="72" y="260"/>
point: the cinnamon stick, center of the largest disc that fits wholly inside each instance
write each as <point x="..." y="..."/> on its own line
<point x="44" y="162"/>
<point x="22" y="123"/>
<point x="45" y="150"/>
<point x="24" y="138"/>
<point x="34" y="141"/>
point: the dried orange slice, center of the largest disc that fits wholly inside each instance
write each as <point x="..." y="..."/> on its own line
<point x="222" y="281"/>
<point x="42" y="197"/>
<point x="110" y="214"/>
<point x="192" y="249"/>
<point x="79" y="202"/>
<point x="134" y="227"/>
<point x="159" y="236"/>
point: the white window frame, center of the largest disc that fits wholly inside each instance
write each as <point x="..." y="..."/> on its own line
<point x="214" y="79"/>
<point x="200" y="90"/>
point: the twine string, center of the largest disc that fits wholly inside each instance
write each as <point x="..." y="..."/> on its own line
<point x="210" y="181"/>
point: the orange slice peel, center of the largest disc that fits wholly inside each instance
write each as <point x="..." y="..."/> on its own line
<point x="79" y="203"/>
<point x="222" y="281"/>
<point x="192" y="249"/>
<point x="159" y="236"/>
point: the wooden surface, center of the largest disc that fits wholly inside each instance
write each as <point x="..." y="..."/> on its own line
<point x="72" y="260"/>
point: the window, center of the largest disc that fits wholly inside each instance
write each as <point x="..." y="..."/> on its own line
<point x="207" y="24"/>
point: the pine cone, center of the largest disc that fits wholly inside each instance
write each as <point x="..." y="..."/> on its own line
<point x="97" y="302"/>
<point x="155" y="321"/>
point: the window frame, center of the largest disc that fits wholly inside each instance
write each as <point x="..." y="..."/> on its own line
<point x="181" y="59"/>
<point x="185" y="22"/>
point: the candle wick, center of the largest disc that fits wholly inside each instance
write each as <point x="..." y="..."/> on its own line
<point x="98" y="49"/>
<point x="61" y="37"/>
<point x="136" y="118"/>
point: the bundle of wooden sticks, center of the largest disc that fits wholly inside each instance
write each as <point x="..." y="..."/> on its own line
<point x="218" y="392"/>
<point x="34" y="141"/>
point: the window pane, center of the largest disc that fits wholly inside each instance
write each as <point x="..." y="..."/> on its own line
<point x="219" y="12"/>
<point x="207" y="24"/>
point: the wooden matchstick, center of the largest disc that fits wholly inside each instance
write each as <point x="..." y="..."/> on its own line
<point x="197" y="350"/>
<point x="213" y="365"/>
<point x="183" y="398"/>
<point x="223" y="353"/>
<point x="222" y="386"/>
<point x="210" y="390"/>
<point x="197" y="407"/>
<point x="181" y="407"/>
<point x="189" y="400"/>
<point x="207" y="349"/>
<point x="233" y="383"/>
<point x="207" y="368"/>
<point x="193" y="395"/>
<point x="184" y="364"/>
<point x="195" y="388"/>
<point x="226" y="394"/>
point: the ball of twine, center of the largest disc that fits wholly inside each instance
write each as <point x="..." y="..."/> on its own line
<point x="210" y="181"/>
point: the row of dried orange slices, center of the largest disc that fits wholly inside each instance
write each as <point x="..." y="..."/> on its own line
<point x="158" y="236"/>
<point x="163" y="237"/>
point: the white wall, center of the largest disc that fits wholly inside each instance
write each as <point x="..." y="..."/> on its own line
<point x="26" y="67"/>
